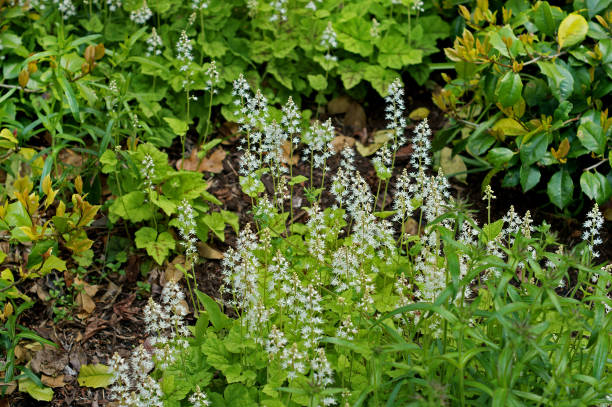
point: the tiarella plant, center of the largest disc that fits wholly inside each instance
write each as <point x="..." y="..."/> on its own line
<point x="151" y="194"/>
<point x="349" y="309"/>
<point x="169" y="57"/>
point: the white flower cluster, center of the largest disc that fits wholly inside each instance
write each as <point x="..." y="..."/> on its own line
<point x="148" y="171"/>
<point x="591" y="229"/>
<point x="199" y="398"/>
<point x="187" y="231"/>
<point x="420" y="160"/>
<point x="132" y="385"/>
<point x="402" y="203"/>
<point x="318" y="143"/>
<point x="142" y="15"/>
<point x="114" y="5"/>
<point x="280" y="10"/>
<point x="154" y="43"/>
<point x="312" y="5"/>
<point x="200" y="4"/>
<point x="66" y="7"/>
<point x="418" y="6"/>
<point x="184" y="51"/>
<point x="328" y="41"/>
<point x="395" y="113"/>
<point x="212" y="77"/>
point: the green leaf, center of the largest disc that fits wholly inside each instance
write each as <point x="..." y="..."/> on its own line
<point x="318" y="82"/>
<point x="499" y="156"/>
<point x="543" y="18"/>
<point x="592" y="136"/>
<point x="354" y="34"/>
<point x="534" y="150"/>
<point x="178" y="126"/>
<point x="298" y="179"/>
<point x="95" y="376"/>
<point x="573" y="30"/>
<point x="509" y="89"/>
<point x="131" y="206"/>
<point x="69" y="93"/>
<point x="560" y="188"/>
<point x="157" y="247"/>
<point x="38" y="393"/>
<point x="560" y="79"/>
<point x="231" y="219"/>
<point x="530" y="176"/>
<point x="396" y="53"/>
<point x="380" y="78"/>
<point x="596" y="186"/>
<point x="351" y="72"/>
<point x="108" y="161"/>
<point x="491" y="231"/>
<point x="215" y="222"/>
<point x="217" y="318"/>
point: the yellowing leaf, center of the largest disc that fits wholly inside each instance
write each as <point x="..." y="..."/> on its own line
<point x="509" y="127"/>
<point x="572" y="30"/>
<point x="380" y="138"/>
<point x="95" y="376"/>
<point x="453" y="166"/>
<point x="419" y="113"/>
<point x="561" y="153"/>
<point x="37" y="393"/>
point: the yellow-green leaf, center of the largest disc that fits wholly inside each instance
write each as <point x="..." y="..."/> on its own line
<point x="453" y="166"/>
<point x="509" y="127"/>
<point x="97" y="375"/>
<point x="37" y="393"/>
<point x="573" y="30"/>
<point x="419" y="113"/>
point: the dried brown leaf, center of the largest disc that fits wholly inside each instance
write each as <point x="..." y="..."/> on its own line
<point x="339" y="105"/>
<point x="341" y="142"/>
<point x="355" y="116"/>
<point x="213" y="163"/>
<point x="57" y="381"/>
<point x="287" y="159"/>
<point x="209" y="252"/>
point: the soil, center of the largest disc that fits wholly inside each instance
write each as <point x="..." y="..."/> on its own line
<point x="117" y="323"/>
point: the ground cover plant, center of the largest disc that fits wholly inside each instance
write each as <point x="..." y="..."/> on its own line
<point x="263" y="203"/>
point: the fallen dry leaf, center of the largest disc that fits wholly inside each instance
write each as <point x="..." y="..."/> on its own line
<point x="341" y="142"/>
<point x="57" y="381"/>
<point x="229" y="130"/>
<point x="172" y="272"/>
<point x="69" y="157"/>
<point x="7" y="388"/>
<point x="111" y="294"/>
<point x="339" y="105"/>
<point x="94" y="326"/>
<point x="411" y="227"/>
<point x="85" y="297"/>
<point x="355" y="116"/>
<point x="287" y="159"/>
<point x="49" y="360"/>
<point x="208" y="252"/>
<point x="212" y="163"/>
